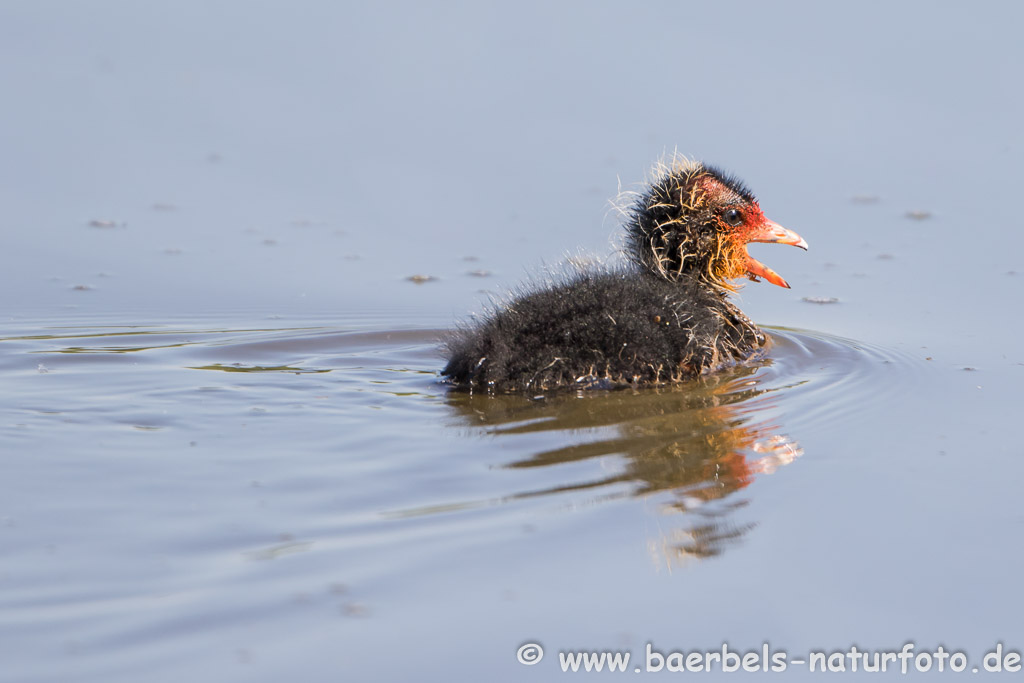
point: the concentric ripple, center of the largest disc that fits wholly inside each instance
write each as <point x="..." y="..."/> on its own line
<point x="829" y="379"/>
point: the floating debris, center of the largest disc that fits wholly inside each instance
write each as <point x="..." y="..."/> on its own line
<point x="470" y="258"/>
<point x="355" y="609"/>
<point x="885" y="257"/>
<point x="172" y="251"/>
<point x="82" y="288"/>
<point x="420" y="279"/>
<point x="968" y="368"/>
<point x="166" y="208"/>
<point x="820" y="299"/>
<point x="97" y="223"/>
<point x="918" y="215"/>
<point x="306" y="222"/>
<point x="865" y="199"/>
<point x="479" y="273"/>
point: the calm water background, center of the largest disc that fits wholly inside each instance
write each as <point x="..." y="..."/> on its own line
<point x="224" y="451"/>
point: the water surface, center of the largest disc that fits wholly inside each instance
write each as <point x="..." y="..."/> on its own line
<point x="225" y="452"/>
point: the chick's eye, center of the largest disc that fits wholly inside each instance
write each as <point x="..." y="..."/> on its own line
<point x="732" y="217"/>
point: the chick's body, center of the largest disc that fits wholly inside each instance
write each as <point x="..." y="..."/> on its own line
<point x="663" y="317"/>
<point x="603" y="325"/>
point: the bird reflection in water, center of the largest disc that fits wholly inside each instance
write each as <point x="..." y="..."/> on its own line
<point x="689" y="447"/>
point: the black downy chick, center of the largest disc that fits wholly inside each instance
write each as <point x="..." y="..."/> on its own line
<point x="664" y="317"/>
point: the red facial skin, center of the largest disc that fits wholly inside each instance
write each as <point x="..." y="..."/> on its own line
<point x="756" y="228"/>
<point x="736" y="261"/>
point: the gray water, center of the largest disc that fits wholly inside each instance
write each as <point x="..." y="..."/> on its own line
<point x="225" y="451"/>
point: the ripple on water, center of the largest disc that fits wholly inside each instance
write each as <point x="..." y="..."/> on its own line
<point x="688" y="447"/>
<point x="828" y="380"/>
<point x="256" y="457"/>
<point x="373" y="395"/>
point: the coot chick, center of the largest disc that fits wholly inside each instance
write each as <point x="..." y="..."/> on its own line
<point x="663" y="317"/>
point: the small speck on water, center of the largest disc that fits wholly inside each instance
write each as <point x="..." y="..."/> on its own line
<point x="865" y="199"/>
<point x="99" y="223"/>
<point x="479" y="273"/>
<point x="968" y="368"/>
<point x="470" y="258"/>
<point x="270" y="242"/>
<point x="918" y="215"/>
<point x="172" y="251"/>
<point x="355" y="609"/>
<point x="820" y="299"/>
<point x="42" y="369"/>
<point x="420" y="279"/>
<point x="166" y="208"/>
<point x="82" y="288"/>
<point x="885" y="257"/>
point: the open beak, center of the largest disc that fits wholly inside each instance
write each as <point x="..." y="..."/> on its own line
<point x="771" y="231"/>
